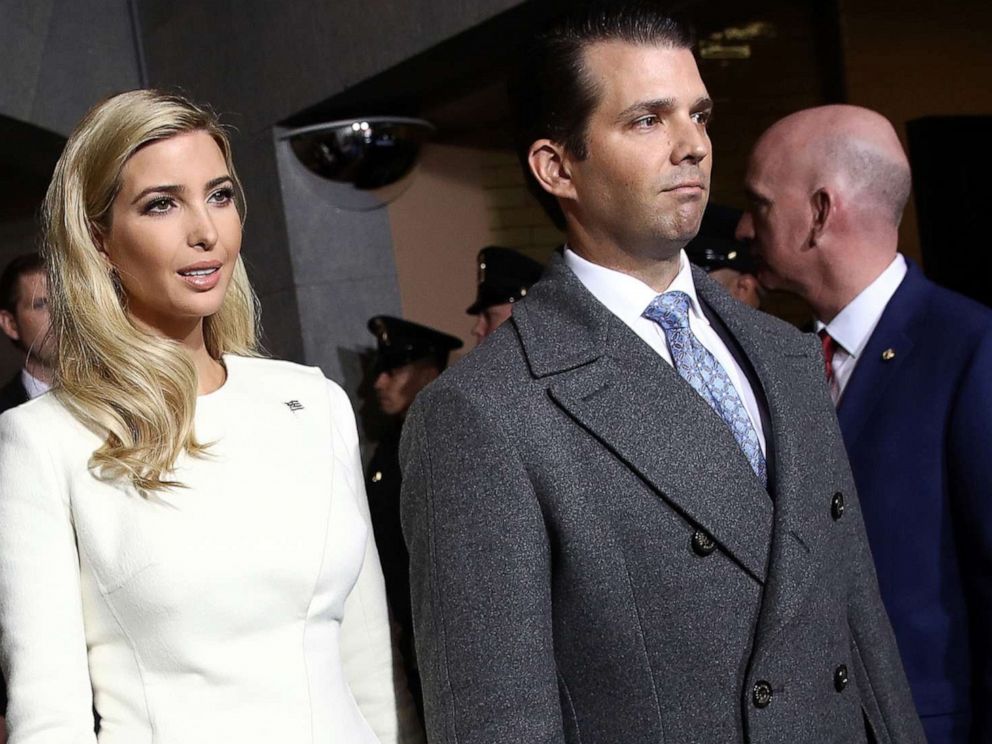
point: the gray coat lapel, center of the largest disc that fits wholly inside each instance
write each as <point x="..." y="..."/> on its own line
<point x="781" y="362"/>
<point x="617" y="388"/>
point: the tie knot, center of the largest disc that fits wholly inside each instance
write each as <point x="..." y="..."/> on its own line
<point x="669" y="310"/>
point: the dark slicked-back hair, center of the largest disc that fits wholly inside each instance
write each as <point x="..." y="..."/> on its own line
<point x="551" y="92"/>
<point x="29" y="263"/>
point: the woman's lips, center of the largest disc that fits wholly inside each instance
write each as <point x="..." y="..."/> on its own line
<point x="201" y="277"/>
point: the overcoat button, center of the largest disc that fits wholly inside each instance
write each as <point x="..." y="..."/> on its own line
<point x="840" y="678"/>
<point x="702" y="543"/>
<point x="762" y="694"/>
<point x="837" y="506"/>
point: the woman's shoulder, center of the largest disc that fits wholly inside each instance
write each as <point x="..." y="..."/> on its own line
<point x="281" y="377"/>
<point x="267" y="368"/>
<point x="44" y="411"/>
<point x="45" y="419"/>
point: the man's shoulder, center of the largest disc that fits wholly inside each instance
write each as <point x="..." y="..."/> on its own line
<point x="774" y="326"/>
<point x="967" y="313"/>
<point x="12" y="393"/>
<point x="944" y="316"/>
<point x="497" y="366"/>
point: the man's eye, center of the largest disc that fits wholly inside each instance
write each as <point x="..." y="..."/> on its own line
<point x="646" y="122"/>
<point x="702" y="117"/>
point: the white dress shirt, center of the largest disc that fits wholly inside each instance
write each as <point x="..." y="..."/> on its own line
<point x="33" y="386"/>
<point x="852" y="327"/>
<point x="628" y="297"/>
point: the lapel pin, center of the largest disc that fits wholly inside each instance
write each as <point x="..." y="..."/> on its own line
<point x="888" y="355"/>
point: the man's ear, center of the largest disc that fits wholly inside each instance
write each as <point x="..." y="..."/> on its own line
<point x="821" y="210"/>
<point x="549" y="164"/>
<point x="749" y="289"/>
<point x="8" y="323"/>
<point x="747" y="282"/>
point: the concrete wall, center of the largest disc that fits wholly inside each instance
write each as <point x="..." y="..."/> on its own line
<point x="59" y="57"/>
<point x="270" y="60"/>
<point x="342" y="265"/>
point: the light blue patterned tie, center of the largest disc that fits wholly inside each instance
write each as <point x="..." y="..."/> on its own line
<point x="700" y="369"/>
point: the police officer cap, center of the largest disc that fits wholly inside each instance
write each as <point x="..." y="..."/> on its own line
<point x="504" y="276"/>
<point x="400" y="342"/>
<point x="715" y="246"/>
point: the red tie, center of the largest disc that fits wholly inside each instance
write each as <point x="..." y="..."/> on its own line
<point x="829" y="347"/>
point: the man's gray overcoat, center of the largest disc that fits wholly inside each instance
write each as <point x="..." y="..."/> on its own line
<point x="593" y="561"/>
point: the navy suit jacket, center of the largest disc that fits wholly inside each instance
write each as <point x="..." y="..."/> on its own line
<point x="916" y="418"/>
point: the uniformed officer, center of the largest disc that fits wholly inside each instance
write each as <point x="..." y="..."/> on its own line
<point x="723" y="257"/>
<point x="504" y="277"/>
<point x="408" y="357"/>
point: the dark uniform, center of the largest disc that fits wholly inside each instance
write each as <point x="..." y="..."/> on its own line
<point x="504" y="275"/>
<point x="383" y="488"/>
<point x="399" y="342"/>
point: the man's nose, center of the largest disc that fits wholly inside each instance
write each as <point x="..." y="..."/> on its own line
<point x="745" y="228"/>
<point x="691" y="143"/>
<point x="479" y="329"/>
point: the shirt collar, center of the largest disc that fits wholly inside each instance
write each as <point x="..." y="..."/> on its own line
<point x="32" y="385"/>
<point x="626" y="296"/>
<point x="852" y="327"/>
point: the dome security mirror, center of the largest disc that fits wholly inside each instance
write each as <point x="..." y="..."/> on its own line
<point x="368" y="153"/>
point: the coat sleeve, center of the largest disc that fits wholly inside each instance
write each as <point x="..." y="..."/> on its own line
<point x="480" y="574"/>
<point x="970" y="481"/>
<point x="368" y="650"/>
<point x="42" y="641"/>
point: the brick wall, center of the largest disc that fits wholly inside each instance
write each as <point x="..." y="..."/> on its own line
<point x="516" y="219"/>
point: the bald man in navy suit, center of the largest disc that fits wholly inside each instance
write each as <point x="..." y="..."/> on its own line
<point x="909" y="366"/>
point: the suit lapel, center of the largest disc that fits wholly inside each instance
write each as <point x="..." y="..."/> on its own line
<point x="618" y="389"/>
<point x="782" y="365"/>
<point x="887" y="351"/>
<point x="641" y="410"/>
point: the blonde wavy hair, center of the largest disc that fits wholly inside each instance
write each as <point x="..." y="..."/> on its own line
<point x="136" y="390"/>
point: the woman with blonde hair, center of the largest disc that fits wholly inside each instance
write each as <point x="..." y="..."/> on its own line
<point x="184" y="534"/>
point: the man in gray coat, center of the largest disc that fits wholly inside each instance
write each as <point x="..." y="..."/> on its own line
<point x="629" y="514"/>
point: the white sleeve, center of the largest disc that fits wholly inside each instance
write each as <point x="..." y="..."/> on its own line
<point x="368" y="649"/>
<point x="42" y="643"/>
